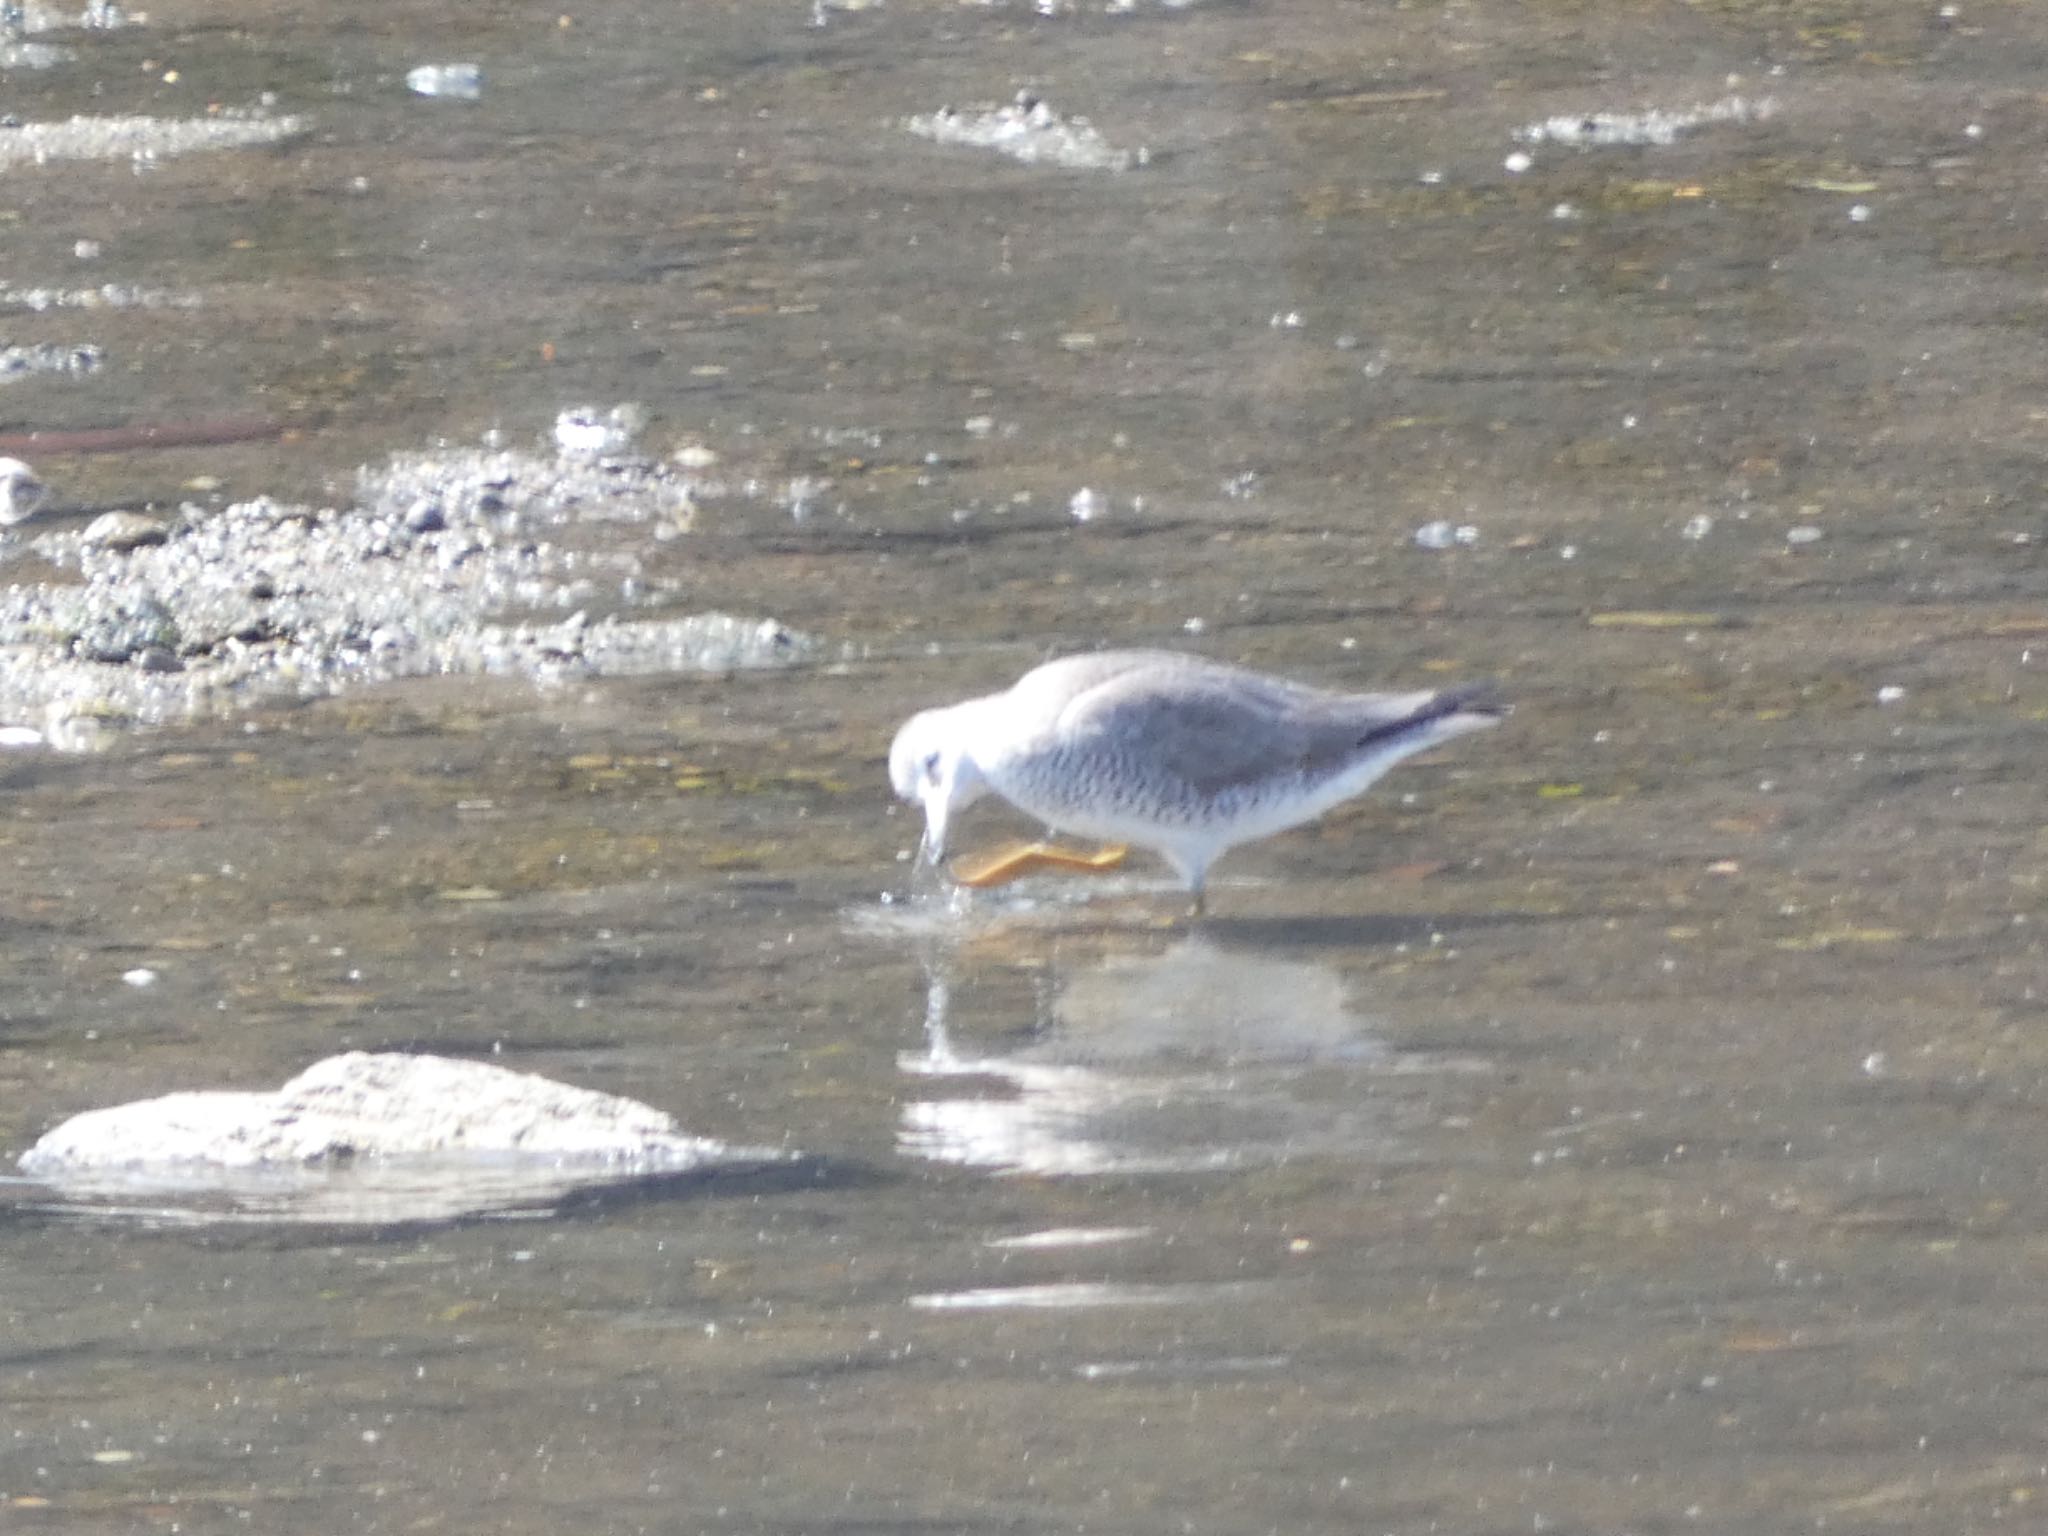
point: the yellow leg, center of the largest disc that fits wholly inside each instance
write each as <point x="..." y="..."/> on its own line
<point x="1021" y="859"/>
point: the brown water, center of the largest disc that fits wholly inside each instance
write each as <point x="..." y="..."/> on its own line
<point x="1628" y="1121"/>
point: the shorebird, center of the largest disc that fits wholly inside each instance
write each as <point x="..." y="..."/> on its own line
<point x="1180" y="755"/>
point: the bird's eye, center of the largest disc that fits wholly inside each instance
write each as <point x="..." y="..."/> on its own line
<point x="931" y="768"/>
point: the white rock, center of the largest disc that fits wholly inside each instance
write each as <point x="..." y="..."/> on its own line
<point x="584" y="431"/>
<point x="365" y="1104"/>
<point x="1600" y="130"/>
<point x="374" y="1136"/>
<point x="121" y="531"/>
<point x="21" y="493"/>
<point x="455" y="82"/>
<point x="1027" y="130"/>
<point x="1445" y="535"/>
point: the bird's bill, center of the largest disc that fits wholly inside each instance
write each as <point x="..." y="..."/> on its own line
<point x="934" y="845"/>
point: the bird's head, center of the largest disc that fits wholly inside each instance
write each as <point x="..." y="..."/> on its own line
<point x="930" y="765"/>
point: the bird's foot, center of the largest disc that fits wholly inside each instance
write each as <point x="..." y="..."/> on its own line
<point x="1020" y="859"/>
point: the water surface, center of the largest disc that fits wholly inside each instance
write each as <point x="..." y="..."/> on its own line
<point x="1626" y="1121"/>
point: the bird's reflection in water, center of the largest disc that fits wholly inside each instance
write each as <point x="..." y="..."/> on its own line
<point x="1196" y="1057"/>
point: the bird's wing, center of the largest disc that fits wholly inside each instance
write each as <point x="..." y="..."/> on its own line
<point x="1051" y="686"/>
<point x="1215" y="728"/>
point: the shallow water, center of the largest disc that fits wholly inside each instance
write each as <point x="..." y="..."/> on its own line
<point x="1624" y="1121"/>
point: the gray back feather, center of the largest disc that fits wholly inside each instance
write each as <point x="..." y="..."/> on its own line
<point x="1215" y="728"/>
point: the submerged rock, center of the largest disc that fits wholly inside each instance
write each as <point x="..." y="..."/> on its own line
<point x="21" y="493"/>
<point x="1027" y="130"/>
<point x="456" y="82"/>
<point x="1656" y="127"/>
<point x="585" y="431"/>
<point x="44" y="357"/>
<point x="374" y="1136"/>
<point x="142" y="139"/>
<point x="105" y="296"/>
<point x="16" y="55"/>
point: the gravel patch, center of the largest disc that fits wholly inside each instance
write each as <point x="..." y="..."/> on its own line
<point x="463" y="561"/>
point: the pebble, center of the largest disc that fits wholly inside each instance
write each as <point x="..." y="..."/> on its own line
<point x="21" y="493"/>
<point x="123" y="531"/>
<point x="452" y="82"/>
<point x="1445" y="535"/>
<point x="584" y="431"/>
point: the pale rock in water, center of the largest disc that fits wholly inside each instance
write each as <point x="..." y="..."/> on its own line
<point x="365" y="1104"/>
<point x="21" y="493"/>
<point x="374" y="1136"/>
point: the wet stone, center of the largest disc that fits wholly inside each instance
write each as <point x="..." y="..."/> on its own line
<point x="453" y="82"/>
<point x="1656" y="127"/>
<point x="367" y="1104"/>
<point x="1029" y="130"/>
<point x="585" y="431"/>
<point x="15" y="55"/>
<point x="45" y="357"/>
<point x="123" y="531"/>
<point x="105" y="296"/>
<point x="375" y="1136"/>
<point x="21" y="493"/>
